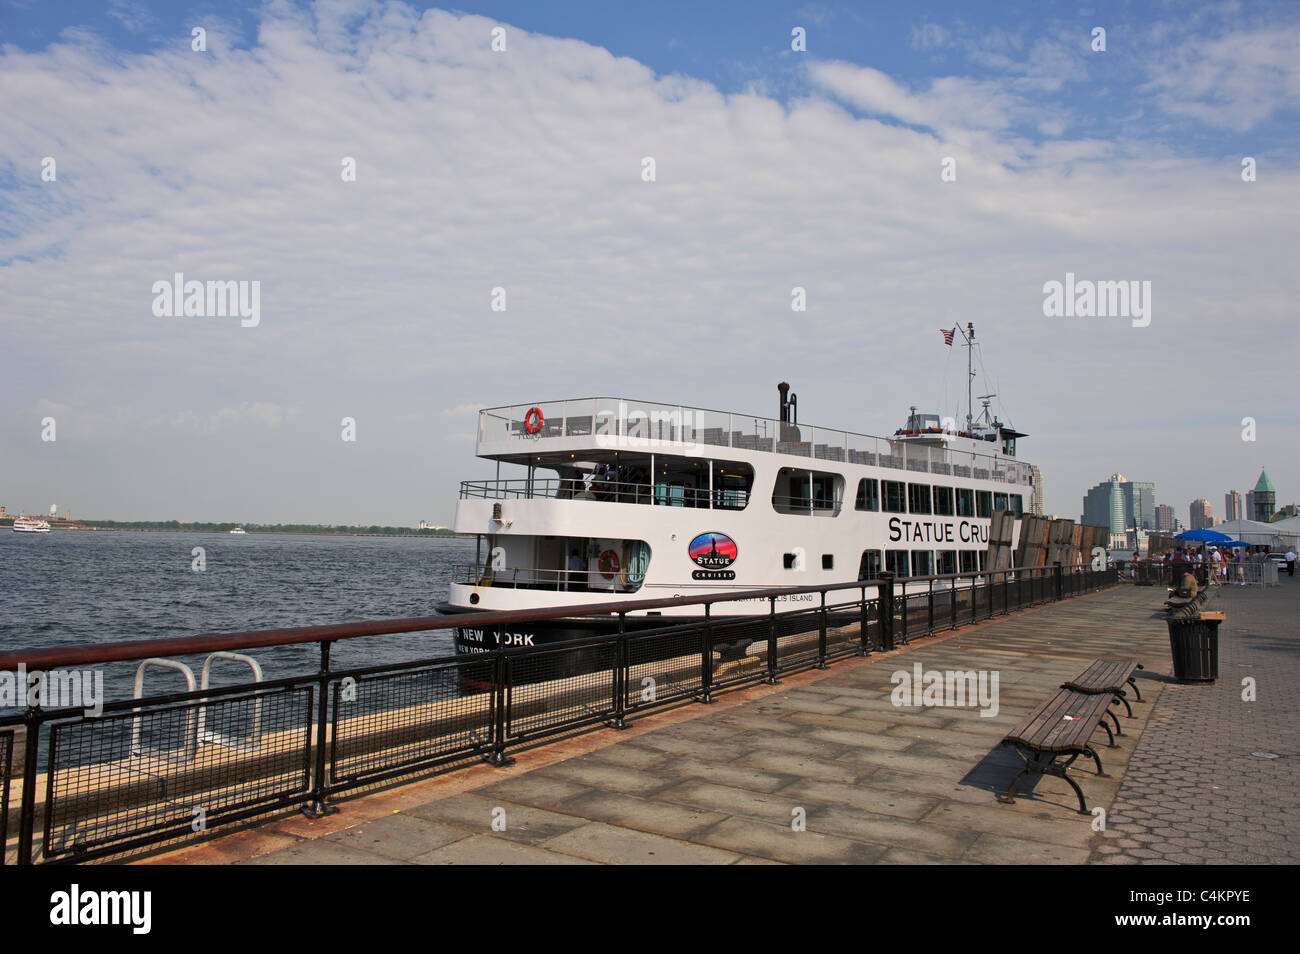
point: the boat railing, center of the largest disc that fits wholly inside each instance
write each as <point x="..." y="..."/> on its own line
<point x="816" y="507"/>
<point x="588" y="580"/>
<point x="87" y="784"/>
<point x="604" y="491"/>
<point x="627" y="424"/>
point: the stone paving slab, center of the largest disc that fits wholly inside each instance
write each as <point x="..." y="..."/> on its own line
<point x="824" y="768"/>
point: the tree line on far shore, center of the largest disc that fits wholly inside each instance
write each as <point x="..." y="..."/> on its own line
<point x="177" y="525"/>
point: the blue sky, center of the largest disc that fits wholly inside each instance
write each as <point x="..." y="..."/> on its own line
<point x="777" y="169"/>
<point x="1044" y="47"/>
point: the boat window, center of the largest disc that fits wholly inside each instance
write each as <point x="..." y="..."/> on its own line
<point x="868" y="494"/>
<point x="1000" y="502"/>
<point x="943" y="501"/>
<point x="947" y="562"/>
<point x="965" y="502"/>
<point x="895" y="496"/>
<point x="984" y="558"/>
<point x="922" y="563"/>
<point x="983" y="503"/>
<point x="967" y="561"/>
<point x="1017" y="504"/>
<point x="807" y="492"/>
<point x="684" y="482"/>
<point x="869" y="565"/>
<point x="918" y="498"/>
<point x="828" y="561"/>
<point x="898" y="562"/>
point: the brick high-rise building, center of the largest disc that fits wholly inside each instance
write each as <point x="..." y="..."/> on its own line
<point x="1232" y="505"/>
<point x="1164" y="518"/>
<point x="1201" y="518"/>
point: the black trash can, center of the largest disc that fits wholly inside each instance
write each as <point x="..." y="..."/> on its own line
<point x="1195" y="647"/>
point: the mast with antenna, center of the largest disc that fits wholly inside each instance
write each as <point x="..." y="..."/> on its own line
<point x="968" y="335"/>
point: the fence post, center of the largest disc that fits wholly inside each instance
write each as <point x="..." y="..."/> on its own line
<point x="1058" y="580"/>
<point x="929" y="610"/>
<point x="771" y="641"/>
<point x="821" y="635"/>
<point x="886" y="592"/>
<point x="865" y="648"/>
<point x="620" y="674"/>
<point x="27" y="817"/>
<point x="706" y="657"/>
<point x="317" y="807"/>
<point x="902" y="636"/>
<point x="500" y="676"/>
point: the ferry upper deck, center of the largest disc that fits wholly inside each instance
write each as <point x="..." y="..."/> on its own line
<point x="552" y="430"/>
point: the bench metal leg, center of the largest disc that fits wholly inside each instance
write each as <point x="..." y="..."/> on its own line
<point x="1010" y="797"/>
<point x="1083" y="806"/>
<point x="1039" y="766"/>
<point x="1118" y="730"/>
<point x="1121" y="696"/>
<point x="1136" y="691"/>
<point x="1106" y="725"/>
<point x="1089" y="751"/>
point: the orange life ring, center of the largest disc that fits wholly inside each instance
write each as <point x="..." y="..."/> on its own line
<point x="533" y="420"/>
<point x="608" y="564"/>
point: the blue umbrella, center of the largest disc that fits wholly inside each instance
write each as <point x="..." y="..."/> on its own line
<point x="1234" y="543"/>
<point x="1204" y="536"/>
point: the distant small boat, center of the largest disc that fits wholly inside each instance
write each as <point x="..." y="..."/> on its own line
<point x="239" y="530"/>
<point x="30" y="525"/>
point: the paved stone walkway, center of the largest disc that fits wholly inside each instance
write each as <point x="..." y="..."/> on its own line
<point x="871" y="782"/>
<point x="1202" y="786"/>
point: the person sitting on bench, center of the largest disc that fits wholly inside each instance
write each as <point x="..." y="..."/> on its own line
<point x="1187" y="585"/>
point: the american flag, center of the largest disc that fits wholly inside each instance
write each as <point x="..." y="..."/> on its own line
<point x="947" y="335"/>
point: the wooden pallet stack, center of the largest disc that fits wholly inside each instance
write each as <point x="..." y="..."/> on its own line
<point x="1001" y="532"/>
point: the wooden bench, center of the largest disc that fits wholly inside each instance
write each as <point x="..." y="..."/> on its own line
<point x="1060" y="729"/>
<point x="1107" y="676"/>
<point x="1185" y="607"/>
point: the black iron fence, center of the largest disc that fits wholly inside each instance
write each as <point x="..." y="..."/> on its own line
<point x="1252" y="571"/>
<point x="79" y="786"/>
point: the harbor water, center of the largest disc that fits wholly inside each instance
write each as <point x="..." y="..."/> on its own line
<point x="69" y="588"/>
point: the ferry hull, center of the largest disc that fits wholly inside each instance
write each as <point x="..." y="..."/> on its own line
<point x="734" y="637"/>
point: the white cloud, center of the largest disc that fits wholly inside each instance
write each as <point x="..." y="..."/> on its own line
<point x="950" y="101"/>
<point x="1234" y="81"/>
<point x="930" y="36"/>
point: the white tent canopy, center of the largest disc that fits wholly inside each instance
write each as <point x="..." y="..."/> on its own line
<point x="1285" y="534"/>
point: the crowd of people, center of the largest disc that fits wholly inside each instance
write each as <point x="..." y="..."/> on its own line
<point x="1210" y="566"/>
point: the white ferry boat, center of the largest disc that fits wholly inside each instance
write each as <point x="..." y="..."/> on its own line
<point x="620" y="499"/>
<point x="31" y="525"/>
<point x="239" y="530"/>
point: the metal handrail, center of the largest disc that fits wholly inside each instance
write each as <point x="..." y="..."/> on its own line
<point x="901" y="452"/>
<point x="155" y="662"/>
<point x="604" y="491"/>
<point x="215" y="738"/>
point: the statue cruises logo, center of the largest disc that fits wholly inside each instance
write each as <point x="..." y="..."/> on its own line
<point x="713" y="553"/>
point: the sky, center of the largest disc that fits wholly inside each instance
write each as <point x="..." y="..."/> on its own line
<point x="912" y="166"/>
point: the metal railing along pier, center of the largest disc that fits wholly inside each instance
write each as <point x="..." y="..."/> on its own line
<point x="80" y="785"/>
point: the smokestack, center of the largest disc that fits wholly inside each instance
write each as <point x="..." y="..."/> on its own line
<point x="784" y="388"/>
